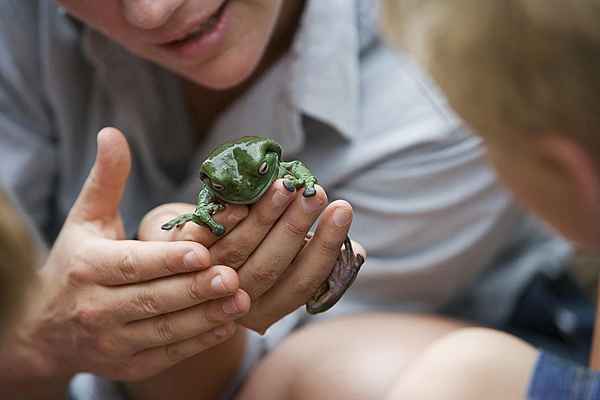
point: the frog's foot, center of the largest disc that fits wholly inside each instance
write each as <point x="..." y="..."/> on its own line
<point x="343" y="274"/>
<point x="177" y="222"/>
<point x="214" y="208"/>
<point x="218" y="230"/>
<point x="291" y="184"/>
<point x="203" y="217"/>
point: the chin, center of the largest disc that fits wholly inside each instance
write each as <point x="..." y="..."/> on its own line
<point x="225" y="72"/>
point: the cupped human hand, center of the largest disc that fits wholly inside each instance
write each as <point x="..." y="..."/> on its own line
<point x="278" y="266"/>
<point x="121" y="308"/>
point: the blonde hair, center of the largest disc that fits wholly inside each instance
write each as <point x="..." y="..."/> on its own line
<point x="509" y="65"/>
<point x="17" y="259"/>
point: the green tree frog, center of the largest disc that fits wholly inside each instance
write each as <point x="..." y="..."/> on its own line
<point x="240" y="172"/>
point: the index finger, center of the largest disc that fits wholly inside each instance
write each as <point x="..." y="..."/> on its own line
<point x="131" y="261"/>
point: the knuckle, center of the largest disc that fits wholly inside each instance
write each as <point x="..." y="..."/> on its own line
<point x="214" y="313"/>
<point x="234" y="257"/>
<point x="194" y="291"/>
<point x="163" y="329"/>
<point x="296" y="229"/>
<point x="170" y="261"/>
<point x="263" y="276"/>
<point x="88" y="316"/>
<point x="328" y="248"/>
<point x="78" y="274"/>
<point x="126" y="268"/>
<point x="174" y="353"/>
<point x="147" y="303"/>
<point x="263" y="218"/>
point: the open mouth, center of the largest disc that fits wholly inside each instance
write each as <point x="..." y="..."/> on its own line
<point x="205" y="28"/>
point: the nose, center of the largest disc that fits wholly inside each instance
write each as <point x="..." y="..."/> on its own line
<point x="149" y="14"/>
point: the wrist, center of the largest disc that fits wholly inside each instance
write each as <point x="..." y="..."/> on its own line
<point x="26" y="370"/>
<point x="27" y="365"/>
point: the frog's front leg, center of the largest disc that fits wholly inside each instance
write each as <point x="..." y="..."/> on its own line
<point x="202" y="215"/>
<point x="297" y="175"/>
<point x="343" y="274"/>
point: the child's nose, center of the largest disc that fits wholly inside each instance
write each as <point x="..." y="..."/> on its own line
<point x="150" y="14"/>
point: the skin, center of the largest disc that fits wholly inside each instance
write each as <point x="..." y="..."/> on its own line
<point x="355" y="358"/>
<point x="240" y="172"/>
<point x="139" y="308"/>
<point x="141" y="26"/>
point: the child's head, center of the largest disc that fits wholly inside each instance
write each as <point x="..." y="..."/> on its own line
<point x="525" y="75"/>
<point x="215" y="43"/>
<point x="17" y="259"/>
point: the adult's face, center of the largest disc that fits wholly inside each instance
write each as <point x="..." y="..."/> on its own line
<point x="214" y="43"/>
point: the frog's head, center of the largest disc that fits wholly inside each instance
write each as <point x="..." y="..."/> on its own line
<point x="240" y="172"/>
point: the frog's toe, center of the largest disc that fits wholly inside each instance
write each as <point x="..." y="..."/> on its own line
<point x="174" y="223"/>
<point x="309" y="191"/>
<point x="219" y="230"/>
<point x="167" y="226"/>
<point x="289" y="185"/>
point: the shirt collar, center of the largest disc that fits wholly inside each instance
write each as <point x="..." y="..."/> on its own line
<point x="325" y="64"/>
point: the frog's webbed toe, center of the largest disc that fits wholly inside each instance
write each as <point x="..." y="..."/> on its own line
<point x="218" y="230"/>
<point x="343" y="274"/>
<point x="177" y="222"/>
<point x="289" y="185"/>
<point x="309" y="191"/>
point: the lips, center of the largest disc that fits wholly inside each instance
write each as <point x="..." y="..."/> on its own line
<point x="197" y="29"/>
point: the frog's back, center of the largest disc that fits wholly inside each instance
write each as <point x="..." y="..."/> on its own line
<point x="247" y="143"/>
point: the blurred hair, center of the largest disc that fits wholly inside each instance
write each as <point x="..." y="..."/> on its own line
<point x="17" y="260"/>
<point x="509" y="66"/>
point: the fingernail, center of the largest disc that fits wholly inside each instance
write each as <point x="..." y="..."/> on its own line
<point x="230" y="307"/>
<point x="217" y="284"/>
<point x="280" y="199"/>
<point x="311" y="204"/>
<point x="192" y="260"/>
<point x="342" y="217"/>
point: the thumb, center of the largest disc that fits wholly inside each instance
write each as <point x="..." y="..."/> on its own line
<point x="103" y="189"/>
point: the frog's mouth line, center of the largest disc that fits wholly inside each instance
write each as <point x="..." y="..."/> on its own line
<point x="272" y="177"/>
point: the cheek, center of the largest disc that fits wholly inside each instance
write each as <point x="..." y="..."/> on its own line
<point x="105" y="16"/>
<point x="529" y="186"/>
<point x="545" y="196"/>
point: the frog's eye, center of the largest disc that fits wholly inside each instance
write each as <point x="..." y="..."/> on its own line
<point x="217" y="186"/>
<point x="263" y="168"/>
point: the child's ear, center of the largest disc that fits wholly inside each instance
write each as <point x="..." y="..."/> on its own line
<point x="578" y="172"/>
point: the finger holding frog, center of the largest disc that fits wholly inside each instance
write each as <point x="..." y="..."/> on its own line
<point x="281" y="244"/>
<point x="236" y="247"/>
<point x="307" y="272"/>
